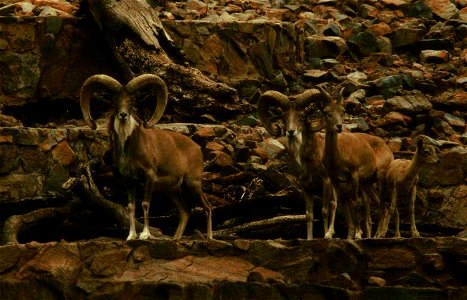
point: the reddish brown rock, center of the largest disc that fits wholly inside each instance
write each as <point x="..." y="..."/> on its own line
<point x="394" y="118"/>
<point x="63" y="153"/>
<point x="443" y="8"/>
<point x="380" y="29"/>
<point x="6" y="139"/>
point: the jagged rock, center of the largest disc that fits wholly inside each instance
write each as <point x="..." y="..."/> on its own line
<point x="273" y="147"/>
<point x="393" y="119"/>
<point x="377" y="281"/>
<point x="324" y="46"/>
<point x="434" y="56"/>
<point x="63" y="153"/>
<point x="317" y="75"/>
<point x="463" y="14"/>
<point x="443" y="128"/>
<point x="390" y="85"/>
<point x="363" y="44"/>
<point x="409" y="104"/>
<point x="196" y="5"/>
<point x="454" y="100"/>
<point x="367" y="11"/>
<point x="21" y="73"/>
<point x="443" y="8"/>
<point x="18" y="8"/>
<point x="255" y="164"/>
<point x="9" y="121"/>
<point x="380" y="29"/>
<point x="274" y="180"/>
<point x="332" y="29"/>
<point x="420" y="10"/>
<point x="219" y="161"/>
<point x="408" y="34"/>
<point x="222" y="48"/>
<point x="396" y="3"/>
<point x="454" y="121"/>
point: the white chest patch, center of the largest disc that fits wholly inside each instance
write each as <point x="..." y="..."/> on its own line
<point x="295" y="144"/>
<point x="124" y="128"/>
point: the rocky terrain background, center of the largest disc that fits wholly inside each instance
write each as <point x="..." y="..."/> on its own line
<point x="403" y="66"/>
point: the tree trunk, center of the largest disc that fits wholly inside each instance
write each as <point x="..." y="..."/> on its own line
<point x="141" y="45"/>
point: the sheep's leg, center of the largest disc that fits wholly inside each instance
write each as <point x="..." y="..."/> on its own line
<point x="131" y="213"/>
<point x="309" y="214"/>
<point x="383" y="207"/>
<point x="325" y="204"/>
<point x="413" y="226"/>
<point x="354" y="204"/>
<point x="389" y="213"/>
<point x="148" y="189"/>
<point x="397" y="232"/>
<point x="208" y="212"/>
<point x="366" y="194"/>
<point x="349" y="219"/>
<point x="184" y="214"/>
<point x="194" y="185"/>
<point x="383" y="215"/>
<point x="332" y="211"/>
<point x="380" y="199"/>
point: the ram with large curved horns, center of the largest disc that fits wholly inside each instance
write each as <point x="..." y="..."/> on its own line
<point x="305" y="144"/>
<point x="330" y="158"/>
<point x="160" y="160"/>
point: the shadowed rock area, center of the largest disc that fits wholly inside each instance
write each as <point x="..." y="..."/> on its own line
<point x="253" y="269"/>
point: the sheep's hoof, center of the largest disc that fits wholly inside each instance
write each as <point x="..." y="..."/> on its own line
<point x="132" y="236"/>
<point x="328" y="235"/>
<point x="146" y="236"/>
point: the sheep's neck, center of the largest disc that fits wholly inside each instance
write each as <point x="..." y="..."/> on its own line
<point x="414" y="168"/>
<point x="311" y="149"/>
<point x="331" y="151"/>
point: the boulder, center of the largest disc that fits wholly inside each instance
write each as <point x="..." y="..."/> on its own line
<point x="444" y="9"/>
<point x="409" y="104"/>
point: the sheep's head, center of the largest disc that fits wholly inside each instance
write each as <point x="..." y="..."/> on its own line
<point x="125" y="98"/>
<point x="426" y="150"/>
<point x="295" y="112"/>
<point x="332" y="110"/>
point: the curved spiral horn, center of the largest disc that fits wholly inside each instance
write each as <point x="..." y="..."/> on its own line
<point x="306" y="98"/>
<point x="267" y="100"/>
<point x="161" y="94"/>
<point x="93" y="84"/>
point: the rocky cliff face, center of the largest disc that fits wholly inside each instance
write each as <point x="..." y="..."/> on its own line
<point x="403" y="66"/>
<point x="247" y="269"/>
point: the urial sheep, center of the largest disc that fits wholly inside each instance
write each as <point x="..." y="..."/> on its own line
<point x="160" y="160"/>
<point x="306" y="146"/>
<point x="401" y="181"/>
<point x="359" y="158"/>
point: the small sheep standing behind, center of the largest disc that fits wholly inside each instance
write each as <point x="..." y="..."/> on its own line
<point x="160" y="160"/>
<point x="401" y="180"/>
